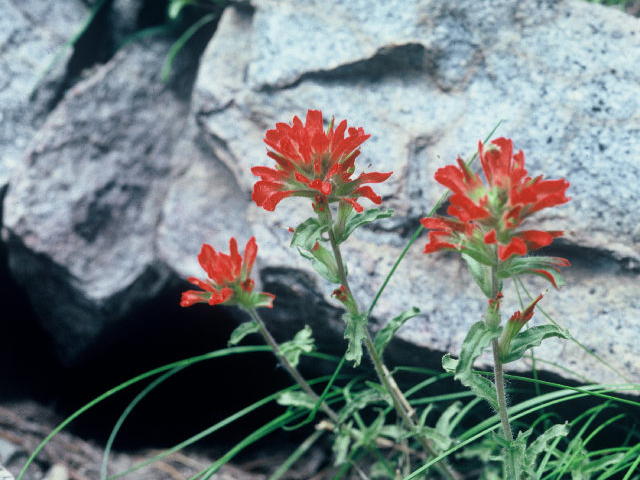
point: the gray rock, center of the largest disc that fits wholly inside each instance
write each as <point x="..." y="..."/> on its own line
<point x="33" y="60"/>
<point x="5" y="474"/>
<point x="427" y="80"/>
<point x="82" y="209"/>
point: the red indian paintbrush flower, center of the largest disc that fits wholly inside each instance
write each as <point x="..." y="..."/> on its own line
<point x="314" y="163"/>
<point x="483" y="215"/>
<point x="229" y="281"/>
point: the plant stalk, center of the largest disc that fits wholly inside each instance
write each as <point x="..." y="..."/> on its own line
<point x="502" y="398"/>
<point x="400" y="403"/>
<point x="293" y="371"/>
<point x="498" y="376"/>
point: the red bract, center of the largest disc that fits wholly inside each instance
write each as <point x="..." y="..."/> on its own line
<point x="314" y="163"/>
<point x="229" y="278"/>
<point x="491" y="214"/>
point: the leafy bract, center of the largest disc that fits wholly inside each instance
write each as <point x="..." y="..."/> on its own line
<point x="308" y="233"/>
<point x="481" y="274"/>
<point x="532" y="337"/>
<point x="354" y="220"/>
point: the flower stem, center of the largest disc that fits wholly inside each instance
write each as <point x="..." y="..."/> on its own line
<point x="400" y="403"/>
<point x="293" y="371"/>
<point x="295" y="374"/>
<point x="502" y="399"/>
<point x="513" y="468"/>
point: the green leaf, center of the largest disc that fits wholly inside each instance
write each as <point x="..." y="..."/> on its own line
<point x="478" y="338"/>
<point x="445" y="425"/>
<point x="394" y="432"/>
<point x="481" y="274"/>
<point x="479" y="385"/>
<point x="301" y="343"/>
<point x="355" y="333"/>
<point x="242" y="331"/>
<point x="533" y="265"/>
<point x="308" y="233"/>
<point x="373" y="431"/>
<point x="175" y="7"/>
<point x="385" y="335"/>
<point x="362" y="399"/>
<point x="532" y="337"/>
<point x="325" y="266"/>
<point x="296" y="399"/>
<point x="341" y="447"/>
<point x="541" y="444"/>
<point x="440" y="442"/>
<point x="354" y="220"/>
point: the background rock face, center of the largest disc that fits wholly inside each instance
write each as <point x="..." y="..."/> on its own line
<point x="122" y="185"/>
<point x="82" y="210"/>
<point x="27" y="84"/>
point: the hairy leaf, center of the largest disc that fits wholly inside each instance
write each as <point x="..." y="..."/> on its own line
<point x="341" y="447"/>
<point x="541" y="444"/>
<point x="532" y="337"/>
<point x="325" y="265"/>
<point x="360" y="400"/>
<point x="302" y="342"/>
<point x="308" y="233"/>
<point x="355" y="333"/>
<point x="445" y="425"/>
<point x="242" y="331"/>
<point x="297" y="399"/>
<point x="479" y="385"/>
<point x="481" y="274"/>
<point x="477" y="340"/>
<point x="385" y="335"/>
<point x="354" y="220"/>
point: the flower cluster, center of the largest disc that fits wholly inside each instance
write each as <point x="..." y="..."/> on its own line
<point x="314" y="163"/>
<point x="485" y="219"/>
<point x="229" y="281"/>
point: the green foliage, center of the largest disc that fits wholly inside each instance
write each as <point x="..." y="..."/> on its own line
<point x="355" y="333"/>
<point x="308" y="233"/>
<point x="476" y="341"/>
<point x="532" y="337"/>
<point x="533" y="265"/>
<point x="301" y="343"/>
<point x="242" y="330"/>
<point x="387" y="332"/>
<point x="296" y="398"/>
<point x="481" y="274"/>
<point x="354" y="220"/>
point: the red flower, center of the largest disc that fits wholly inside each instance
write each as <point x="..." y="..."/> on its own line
<point x="229" y="278"/>
<point x="491" y="214"/>
<point x="314" y="163"/>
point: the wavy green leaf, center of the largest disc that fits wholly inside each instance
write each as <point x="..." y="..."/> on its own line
<point x="385" y="335"/>
<point x="355" y="333"/>
<point x="242" y="331"/>
<point x="532" y="337"/>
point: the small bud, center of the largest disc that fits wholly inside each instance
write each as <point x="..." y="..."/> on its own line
<point x="340" y="294"/>
<point x="514" y="325"/>
<point x="493" y="311"/>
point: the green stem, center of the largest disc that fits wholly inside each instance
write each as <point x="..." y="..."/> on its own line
<point x="293" y="371"/>
<point x="498" y="375"/>
<point x="502" y="398"/>
<point x="400" y="403"/>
